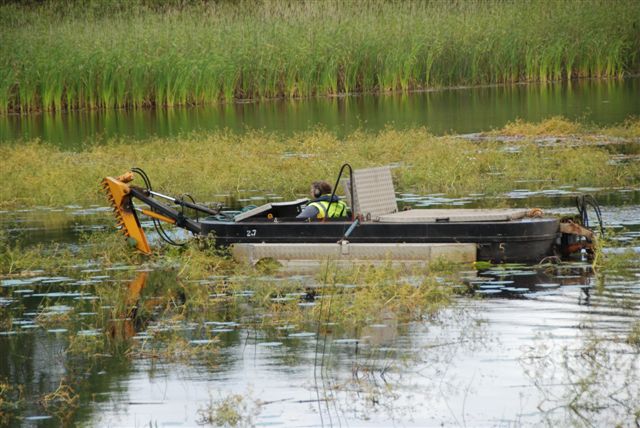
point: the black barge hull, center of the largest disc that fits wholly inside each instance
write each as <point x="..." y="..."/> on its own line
<point x="526" y="240"/>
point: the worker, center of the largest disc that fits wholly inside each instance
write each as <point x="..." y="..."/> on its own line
<point x="320" y="198"/>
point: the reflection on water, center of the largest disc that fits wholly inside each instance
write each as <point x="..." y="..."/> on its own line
<point x="522" y="345"/>
<point x="457" y="111"/>
<point x="552" y="352"/>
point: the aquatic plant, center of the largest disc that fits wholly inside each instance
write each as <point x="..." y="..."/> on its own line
<point x="593" y="383"/>
<point x="11" y="402"/>
<point x="224" y="163"/>
<point x="634" y="335"/>
<point x="105" y="248"/>
<point x="230" y="411"/>
<point x="63" y="402"/>
<point x="58" y="56"/>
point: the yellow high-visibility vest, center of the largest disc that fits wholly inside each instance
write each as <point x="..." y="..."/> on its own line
<point x="336" y="210"/>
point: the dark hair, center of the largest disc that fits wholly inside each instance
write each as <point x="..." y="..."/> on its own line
<point x="320" y="188"/>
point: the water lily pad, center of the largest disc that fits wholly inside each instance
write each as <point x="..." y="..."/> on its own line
<point x="58" y="309"/>
<point x="270" y="344"/>
<point x="516" y="290"/>
<point x="201" y="341"/>
<point x="56" y="280"/>
<point x="222" y="330"/>
<point x="29" y="326"/>
<point x="222" y="323"/>
<point x="89" y="333"/>
<point x="489" y="291"/>
<point x="13" y="282"/>
<point x="37" y="418"/>
<point x="549" y="285"/>
<point x="346" y="341"/>
<point x="58" y="294"/>
<point x="302" y="334"/>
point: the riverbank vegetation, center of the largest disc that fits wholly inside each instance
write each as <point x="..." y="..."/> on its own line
<point x="88" y="55"/>
<point x="209" y="166"/>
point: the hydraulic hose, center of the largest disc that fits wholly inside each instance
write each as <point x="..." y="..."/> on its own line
<point x="156" y="223"/>
<point x="583" y="202"/>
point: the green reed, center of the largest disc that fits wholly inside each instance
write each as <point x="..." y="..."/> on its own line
<point x="84" y="54"/>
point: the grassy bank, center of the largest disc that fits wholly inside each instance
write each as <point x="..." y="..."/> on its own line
<point x="205" y="165"/>
<point x="84" y="54"/>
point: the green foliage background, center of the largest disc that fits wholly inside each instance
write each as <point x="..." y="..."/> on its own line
<point x="106" y="54"/>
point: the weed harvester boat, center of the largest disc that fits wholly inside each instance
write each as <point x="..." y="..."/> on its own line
<point x="499" y="235"/>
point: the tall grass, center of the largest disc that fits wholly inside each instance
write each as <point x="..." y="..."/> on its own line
<point x="84" y="54"/>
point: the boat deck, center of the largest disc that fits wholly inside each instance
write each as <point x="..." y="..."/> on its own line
<point x="452" y="215"/>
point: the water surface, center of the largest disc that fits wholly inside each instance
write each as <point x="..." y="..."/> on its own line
<point x="522" y="347"/>
<point x="458" y="111"/>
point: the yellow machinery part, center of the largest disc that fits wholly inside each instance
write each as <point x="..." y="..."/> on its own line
<point x="118" y="194"/>
<point x="158" y="216"/>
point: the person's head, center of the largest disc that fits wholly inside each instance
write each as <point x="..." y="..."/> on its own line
<point x="319" y="188"/>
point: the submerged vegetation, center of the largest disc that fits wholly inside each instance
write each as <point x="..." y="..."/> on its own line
<point x="224" y="163"/>
<point x="166" y="309"/>
<point x="84" y="54"/>
<point x="184" y="306"/>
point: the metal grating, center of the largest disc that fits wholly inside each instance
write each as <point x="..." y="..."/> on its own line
<point x="374" y="194"/>
<point x="453" y="215"/>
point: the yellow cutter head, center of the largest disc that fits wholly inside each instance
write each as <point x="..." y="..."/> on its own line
<point x="118" y="194"/>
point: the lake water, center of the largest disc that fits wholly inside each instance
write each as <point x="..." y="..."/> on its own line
<point x="522" y="345"/>
<point x="457" y="111"/>
<point x="528" y="343"/>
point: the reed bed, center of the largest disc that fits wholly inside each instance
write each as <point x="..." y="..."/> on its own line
<point x="88" y="55"/>
<point x="210" y="165"/>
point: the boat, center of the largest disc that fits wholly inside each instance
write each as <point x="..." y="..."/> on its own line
<point x="499" y="235"/>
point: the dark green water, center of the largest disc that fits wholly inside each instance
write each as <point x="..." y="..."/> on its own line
<point x="454" y="110"/>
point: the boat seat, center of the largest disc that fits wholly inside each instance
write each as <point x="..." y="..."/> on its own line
<point x="374" y="195"/>
<point x="453" y="215"/>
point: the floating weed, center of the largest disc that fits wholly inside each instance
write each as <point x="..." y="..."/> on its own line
<point x="62" y="402"/>
<point x="595" y="383"/>
<point x="104" y="248"/>
<point x="231" y="411"/>
<point x="447" y="165"/>
<point x="11" y="402"/>
<point x="54" y="317"/>
<point x="88" y="346"/>
<point x="609" y="261"/>
<point x="555" y="126"/>
<point x="167" y="343"/>
<point x="380" y="290"/>
<point x="633" y="338"/>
